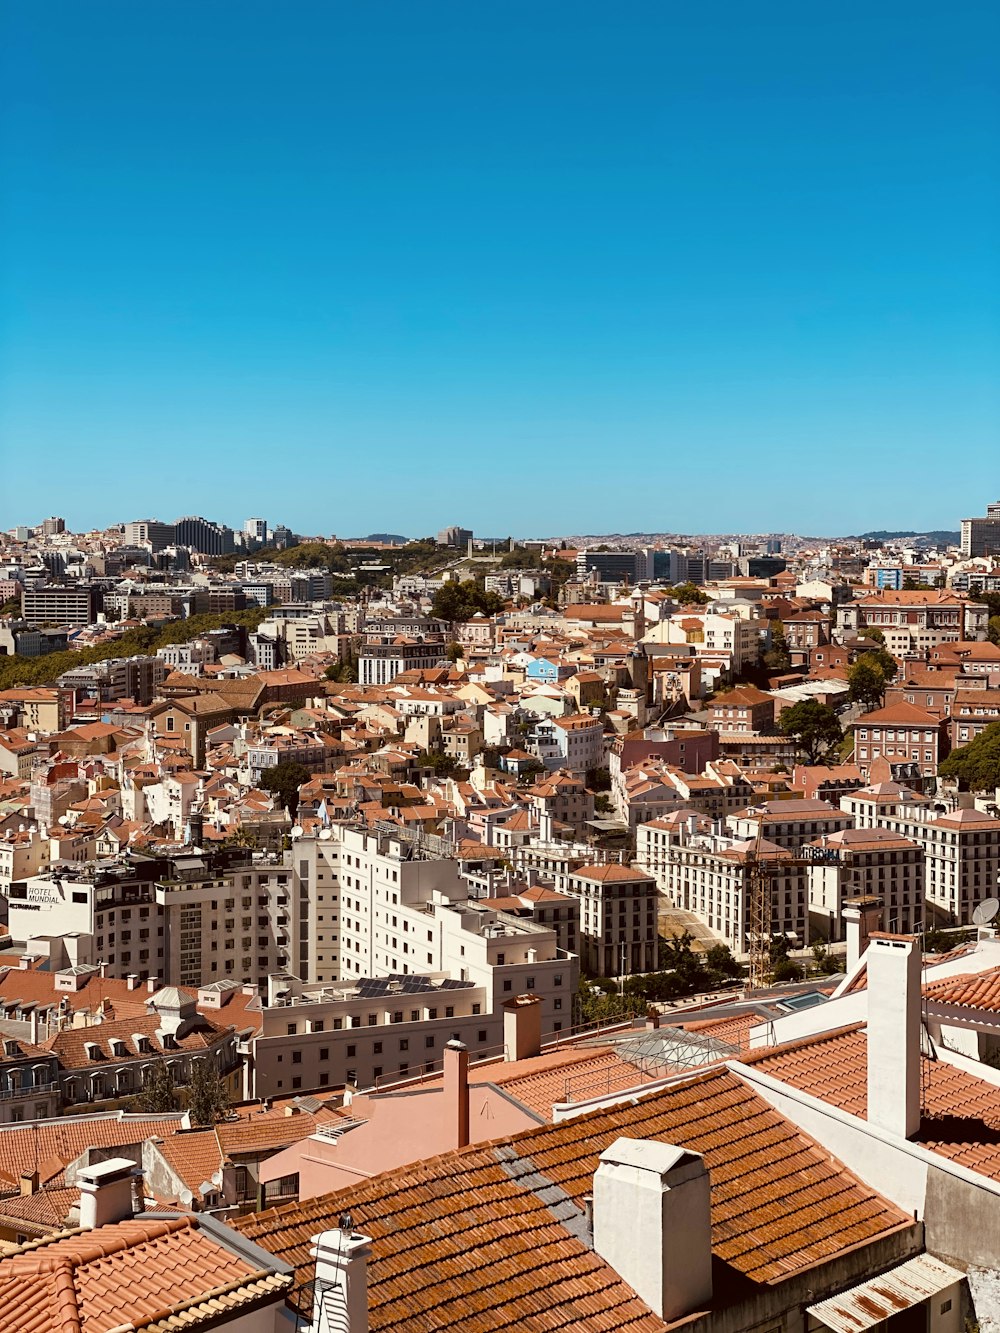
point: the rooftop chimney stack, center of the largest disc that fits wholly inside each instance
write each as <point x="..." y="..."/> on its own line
<point x="456" y="1091"/>
<point x="340" y="1290"/>
<point x="522" y="1027"/>
<point x="894" y="1034"/>
<point x="861" y="916"/>
<point x="653" y="1223"/>
<point x="106" y="1192"/>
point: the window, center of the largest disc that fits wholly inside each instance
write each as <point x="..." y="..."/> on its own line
<point x="376" y="1048"/>
<point x="79" y="897"/>
<point x="296" y="1057"/>
<point x="506" y="985"/>
<point x="429" y="1042"/>
<point x="404" y="1044"/>
<point x="324" y="1052"/>
<point x="352" y="1050"/>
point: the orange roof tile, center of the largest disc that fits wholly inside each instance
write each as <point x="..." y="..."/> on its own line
<point x="961" y="1113"/>
<point x="135" y="1272"/>
<point x="780" y="1204"/>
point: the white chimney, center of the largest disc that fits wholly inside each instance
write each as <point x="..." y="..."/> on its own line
<point x="340" y="1290"/>
<point x="653" y="1223"/>
<point x="456" y="1091"/>
<point x="106" y="1192"/>
<point x="894" y="1034"/>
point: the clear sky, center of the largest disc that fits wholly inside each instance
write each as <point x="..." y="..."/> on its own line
<point x="544" y="266"/>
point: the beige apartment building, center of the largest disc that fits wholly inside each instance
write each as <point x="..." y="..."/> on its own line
<point x="706" y="873"/>
<point x="858" y="862"/>
<point x="961" y="848"/>
<point x="618" y="922"/>
<point x="396" y="1024"/>
<point x="790" y="824"/>
<point x="186" y="920"/>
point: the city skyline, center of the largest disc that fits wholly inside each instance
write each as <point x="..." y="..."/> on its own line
<point x="674" y="273"/>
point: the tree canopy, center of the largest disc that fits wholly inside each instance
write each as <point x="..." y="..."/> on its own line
<point x="866" y="682"/>
<point x="284" y="780"/>
<point x="461" y="601"/>
<point x="689" y="594"/>
<point x="814" y="726"/>
<point x="976" y="765"/>
<point x="777" y="657"/>
<point x="208" y="1100"/>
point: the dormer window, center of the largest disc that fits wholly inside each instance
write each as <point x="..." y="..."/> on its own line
<point x="11" y="1048"/>
<point x="119" y="1048"/>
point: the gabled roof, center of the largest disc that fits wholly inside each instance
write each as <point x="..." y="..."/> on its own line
<point x="149" y="1272"/>
<point x="961" y="1113"/>
<point x="463" y="1238"/>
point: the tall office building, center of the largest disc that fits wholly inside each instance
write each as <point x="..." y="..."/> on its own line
<point x="52" y="526"/>
<point x="204" y="536"/>
<point x="981" y="536"/>
<point x="256" y="530"/>
<point x="149" y="532"/>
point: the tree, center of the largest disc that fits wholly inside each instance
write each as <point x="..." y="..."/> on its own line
<point x="344" y="672"/>
<point x="284" y="781"/>
<point x="866" y="682"/>
<point x="208" y="1100"/>
<point x="444" y="765"/>
<point x="777" y="657"/>
<point x="872" y="632"/>
<point x="814" y="726"/>
<point x="721" y="964"/>
<point x="461" y="601"/>
<point x="689" y="594"/>
<point x="157" y="1096"/>
<point x="976" y="765"/>
<point x="993" y="629"/>
<point x="454" y="652"/>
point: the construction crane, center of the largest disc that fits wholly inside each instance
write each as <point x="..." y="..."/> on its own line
<point x="758" y="900"/>
<point x="760" y="875"/>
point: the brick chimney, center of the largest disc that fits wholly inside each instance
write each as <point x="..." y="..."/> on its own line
<point x="894" y="1034"/>
<point x="456" y="1091"/>
<point x="522" y="1027"/>
<point x="340" y="1289"/>
<point x="653" y="1223"/>
<point x="106" y="1193"/>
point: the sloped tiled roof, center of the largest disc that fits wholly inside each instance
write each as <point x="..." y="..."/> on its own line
<point x="458" y="1239"/>
<point x="53" y="1143"/>
<point x="138" y="1272"/>
<point x="961" y="1113"/>
<point x="969" y="991"/>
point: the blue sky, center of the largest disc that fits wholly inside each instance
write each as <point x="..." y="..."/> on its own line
<point x="531" y="267"/>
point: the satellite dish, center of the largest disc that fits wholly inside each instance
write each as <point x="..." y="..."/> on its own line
<point x="63" y="819"/>
<point x="986" y="911"/>
<point x="297" y="831"/>
<point x="326" y="834"/>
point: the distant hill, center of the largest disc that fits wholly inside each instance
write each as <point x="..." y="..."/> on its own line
<point x="938" y="537"/>
<point x="388" y="537"/>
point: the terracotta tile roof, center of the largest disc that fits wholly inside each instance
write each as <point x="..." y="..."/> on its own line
<point x="611" y="874"/>
<point x="271" y="1130"/>
<point x="734" y="1031"/>
<point x="969" y="991"/>
<point x="590" y="1074"/>
<point x="195" y="1156"/>
<point x="139" y="1272"/>
<point x="780" y="1203"/>
<point x="45" y="1210"/>
<point x="53" y="1143"/>
<point x="961" y="1113"/>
